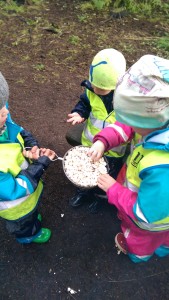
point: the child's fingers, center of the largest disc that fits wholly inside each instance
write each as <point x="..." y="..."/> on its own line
<point x="72" y="119"/>
<point x="75" y="122"/>
<point x="34" y="149"/>
<point x="42" y="151"/>
<point x="30" y="155"/>
<point x="27" y="154"/>
<point x="52" y="155"/>
<point x="101" y="185"/>
<point x="47" y="152"/>
<point x="70" y="115"/>
<point x="24" y="152"/>
<point x="69" y="120"/>
<point x="94" y="154"/>
<point x="105" y="181"/>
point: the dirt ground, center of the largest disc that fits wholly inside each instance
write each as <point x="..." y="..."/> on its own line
<point x="45" y="53"/>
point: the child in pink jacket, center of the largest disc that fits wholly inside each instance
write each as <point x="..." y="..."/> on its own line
<point x="141" y="192"/>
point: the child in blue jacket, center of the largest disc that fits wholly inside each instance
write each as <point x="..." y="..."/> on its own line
<point x="22" y="164"/>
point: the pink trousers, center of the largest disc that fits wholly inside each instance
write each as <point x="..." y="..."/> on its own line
<point x="141" y="242"/>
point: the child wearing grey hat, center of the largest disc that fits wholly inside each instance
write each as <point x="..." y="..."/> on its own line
<point x="22" y="164"/>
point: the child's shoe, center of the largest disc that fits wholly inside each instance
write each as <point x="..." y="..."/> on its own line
<point x="43" y="237"/>
<point x="120" y="243"/>
<point x="79" y="198"/>
<point x="95" y="206"/>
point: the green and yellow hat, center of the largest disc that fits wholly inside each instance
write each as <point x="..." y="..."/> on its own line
<point x="107" y="67"/>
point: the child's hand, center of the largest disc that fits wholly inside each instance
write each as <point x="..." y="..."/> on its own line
<point x="96" y="151"/>
<point x="105" y="181"/>
<point x="31" y="153"/>
<point x="34" y="153"/>
<point x="75" y="118"/>
<point x="47" y="152"/>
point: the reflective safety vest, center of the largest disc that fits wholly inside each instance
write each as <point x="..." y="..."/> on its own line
<point x="136" y="140"/>
<point x="12" y="161"/>
<point x="98" y="119"/>
<point x="142" y="159"/>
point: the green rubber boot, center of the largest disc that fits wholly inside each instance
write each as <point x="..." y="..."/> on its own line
<point x="43" y="237"/>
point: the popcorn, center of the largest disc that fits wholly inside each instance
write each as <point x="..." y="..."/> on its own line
<point x="80" y="169"/>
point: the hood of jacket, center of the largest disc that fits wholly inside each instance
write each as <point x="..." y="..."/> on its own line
<point x="158" y="139"/>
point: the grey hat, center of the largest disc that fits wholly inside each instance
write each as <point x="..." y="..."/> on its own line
<point x="4" y="91"/>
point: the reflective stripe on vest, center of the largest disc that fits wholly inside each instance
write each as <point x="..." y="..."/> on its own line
<point x="98" y="119"/>
<point x="142" y="159"/>
<point x="152" y="226"/>
<point x="22" y="208"/>
<point x="97" y="123"/>
<point x="120" y="149"/>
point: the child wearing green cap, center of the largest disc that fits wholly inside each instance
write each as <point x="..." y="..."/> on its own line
<point x="22" y="164"/>
<point x="141" y="192"/>
<point x="95" y="111"/>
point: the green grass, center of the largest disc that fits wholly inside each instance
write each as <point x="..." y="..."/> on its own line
<point x="163" y="43"/>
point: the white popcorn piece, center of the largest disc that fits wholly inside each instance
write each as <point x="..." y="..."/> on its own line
<point x="71" y="291"/>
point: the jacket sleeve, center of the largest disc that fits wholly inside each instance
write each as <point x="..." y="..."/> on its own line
<point x="151" y="202"/>
<point x="29" y="140"/>
<point x="25" y="183"/>
<point x="122" y="198"/>
<point x="114" y="135"/>
<point x="83" y="107"/>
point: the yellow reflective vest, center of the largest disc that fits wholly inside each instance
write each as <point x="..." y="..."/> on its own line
<point x="140" y="160"/>
<point x="12" y="162"/>
<point x="98" y="119"/>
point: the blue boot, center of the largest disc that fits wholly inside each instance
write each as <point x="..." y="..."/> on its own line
<point x="41" y="237"/>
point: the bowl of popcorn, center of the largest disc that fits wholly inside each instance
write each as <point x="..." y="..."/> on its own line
<point x="80" y="169"/>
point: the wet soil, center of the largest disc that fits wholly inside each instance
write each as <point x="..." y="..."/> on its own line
<point x="45" y="53"/>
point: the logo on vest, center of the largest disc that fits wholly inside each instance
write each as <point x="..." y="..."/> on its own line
<point x="137" y="159"/>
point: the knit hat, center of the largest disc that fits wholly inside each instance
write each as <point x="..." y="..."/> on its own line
<point x="106" y="68"/>
<point x="141" y="98"/>
<point x="4" y="91"/>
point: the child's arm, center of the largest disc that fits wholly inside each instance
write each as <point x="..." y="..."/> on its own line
<point x="83" y="107"/>
<point x="29" y="140"/>
<point x="25" y="183"/>
<point x="150" y="204"/>
<point x="114" y="135"/>
<point x="81" y="111"/>
<point x="110" y="137"/>
<point x="35" y="170"/>
<point x="120" y="196"/>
